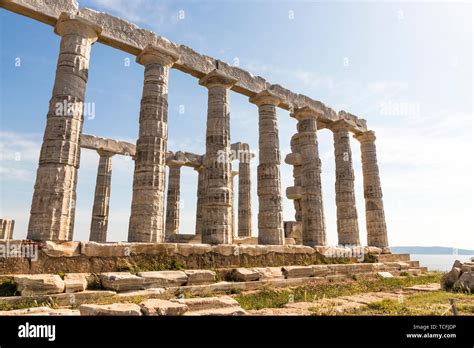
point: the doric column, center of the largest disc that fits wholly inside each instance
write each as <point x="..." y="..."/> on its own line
<point x="100" y="210"/>
<point x="217" y="213"/>
<point x="233" y="174"/>
<point x="374" y="212"/>
<point x="173" y="196"/>
<point x="54" y="198"/>
<point x="146" y="221"/>
<point x="6" y="228"/>
<point x="295" y="192"/>
<point x="201" y="191"/>
<point x="245" y="193"/>
<point x="314" y="227"/>
<point x="347" y="225"/>
<point x="270" y="207"/>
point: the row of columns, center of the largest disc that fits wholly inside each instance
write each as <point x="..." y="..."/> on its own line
<point x="307" y="193"/>
<point x="53" y="206"/>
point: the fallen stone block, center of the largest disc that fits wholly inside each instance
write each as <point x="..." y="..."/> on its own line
<point x="467" y="267"/>
<point x="200" y="277"/>
<point x="121" y="281"/>
<point x="157" y="307"/>
<point x="39" y="284"/>
<point x="244" y="274"/>
<point x="147" y="293"/>
<point x="40" y="311"/>
<point x="298" y="271"/>
<point x="163" y="279"/>
<point x="414" y="271"/>
<point x="385" y="274"/>
<point x="269" y="273"/>
<point x="208" y="303"/>
<point x="465" y="282"/>
<point x="320" y="270"/>
<point x="75" y="282"/>
<point x="60" y="249"/>
<point x="229" y="311"/>
<point x="115" y="309"/>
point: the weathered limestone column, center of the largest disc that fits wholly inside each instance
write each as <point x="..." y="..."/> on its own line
<point x="314" y="227"/>
<point x="233" y="174"/>
<point x="245" y="193"/>
<point x="200" y="200"/>
<point x="217" y="213"/>
<point x="146" y="221"/>
<point x="374" y="211"/>
<point x="54" y="198"/>
<point x="347" y="225"/>
<point x="6" y="228"/>
<point x="295" y="192"/>
<point x="100" y="210"/>
<point x="173" y="201"/>
<point x="270" y="207"/>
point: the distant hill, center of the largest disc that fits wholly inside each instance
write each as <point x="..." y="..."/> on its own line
<point x="434" y="250"/>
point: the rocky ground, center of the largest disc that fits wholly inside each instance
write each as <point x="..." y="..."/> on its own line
<point x="386" y="288"/>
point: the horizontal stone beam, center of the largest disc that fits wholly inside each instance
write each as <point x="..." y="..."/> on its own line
<point x="124" y="148"/>
<point x="93" y="142"/>
<point x="186" y="159"/>
<point x="128" y="37"/>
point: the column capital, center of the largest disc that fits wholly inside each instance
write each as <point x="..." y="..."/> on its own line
<point x="157" y="55"/>
<point x="234" y="173"/>
<point x="368" y="136"/>
<point x="217" y="78"/>
<point x="105" y="153"/>
<point x="265" y="97"/>
<point x="307" y="112"/>
<point x="72" y="24"/>
<point x="339" y="126"/>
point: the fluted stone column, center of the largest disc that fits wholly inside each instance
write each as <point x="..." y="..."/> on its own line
<point x="201" y="191"/>
<point x="54" y="198"/>
<point x="297" y="169"/>
<point x="233" y="174"/>
<point x="270" y="207"/>
<point x="146" y="220"/>
<point x="100" y="210"/>
<point x="217" y="213"/>
<point x="314" y="227"/>
<point x="6" y="228"/>
<point x="245" y="194"/>
<point x="374" y="211"/>
<point x="173" y="201"/>
<point x="347" y="225"/>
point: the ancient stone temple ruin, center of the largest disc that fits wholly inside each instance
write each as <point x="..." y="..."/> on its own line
<point x="226" y="253"/>
<point x="154" y="216"/>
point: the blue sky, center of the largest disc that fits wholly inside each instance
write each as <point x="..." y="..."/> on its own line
<point x="404" y="67"/>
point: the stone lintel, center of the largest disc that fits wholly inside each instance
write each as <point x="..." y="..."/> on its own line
<point x="45" y="11"/>
<point x="128" y="37"/>
<point x="152" y="54"/>
<point x="186" y="159"/>
<point x="93" y="142"/>
<point x="341" y="125"/>
<point x="265" y="97"/>
<point x="217" y="78"/>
